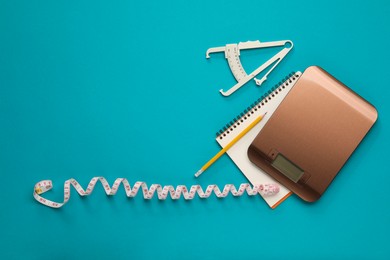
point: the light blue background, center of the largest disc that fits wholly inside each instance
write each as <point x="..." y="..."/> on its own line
<point x="123" y="89"/>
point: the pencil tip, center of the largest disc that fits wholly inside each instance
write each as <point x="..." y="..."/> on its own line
<point x="198" y="173"/>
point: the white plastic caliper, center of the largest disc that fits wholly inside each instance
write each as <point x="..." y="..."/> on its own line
<point x="232" y="54"/>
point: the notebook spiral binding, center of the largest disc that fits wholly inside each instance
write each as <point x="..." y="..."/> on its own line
<point x="240" y="118"/>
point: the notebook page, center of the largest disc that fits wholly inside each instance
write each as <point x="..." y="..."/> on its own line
<point x="238" y="152"/>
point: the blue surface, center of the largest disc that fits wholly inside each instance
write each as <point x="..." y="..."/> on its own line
<point x="123" y="89"/>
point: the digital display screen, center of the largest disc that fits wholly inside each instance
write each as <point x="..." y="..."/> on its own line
<point x="286" y="167"/>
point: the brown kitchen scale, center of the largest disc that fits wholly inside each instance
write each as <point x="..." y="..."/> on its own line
<point x="312" y="133"/>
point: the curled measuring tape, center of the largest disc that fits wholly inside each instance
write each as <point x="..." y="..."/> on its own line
<point x="148" y="193"/>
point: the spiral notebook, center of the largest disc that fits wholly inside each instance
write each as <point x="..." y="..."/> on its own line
<point x="238" y="152"/>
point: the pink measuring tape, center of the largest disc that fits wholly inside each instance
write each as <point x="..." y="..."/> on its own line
<point x="148" y="193"/>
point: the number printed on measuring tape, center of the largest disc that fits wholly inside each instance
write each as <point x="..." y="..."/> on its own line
<point x="148" y="193"/>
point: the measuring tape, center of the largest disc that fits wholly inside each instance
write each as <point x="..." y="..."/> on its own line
<point x="148" y="193"/>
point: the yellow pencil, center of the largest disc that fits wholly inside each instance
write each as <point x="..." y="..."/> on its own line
<point x="227" y="147"/>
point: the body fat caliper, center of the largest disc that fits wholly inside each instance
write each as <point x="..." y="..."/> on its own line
<point x="232" y="54"/>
